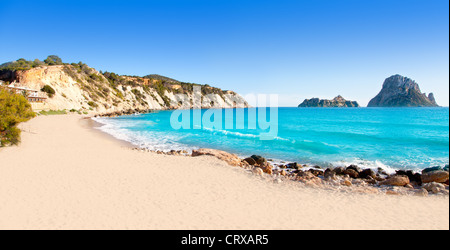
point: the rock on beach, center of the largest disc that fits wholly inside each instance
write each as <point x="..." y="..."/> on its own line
<point x="231" y="159"/>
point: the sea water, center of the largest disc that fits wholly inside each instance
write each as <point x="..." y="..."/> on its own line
<point x="392" y="138"/>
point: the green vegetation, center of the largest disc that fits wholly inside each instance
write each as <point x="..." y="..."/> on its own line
<point x="161" y="78"/>
<point x="23" y="64"/>
<point x="93" y="104"/>
<point x="14" y="109"/>
<point x="53" y="60"/>
<point x="49" y="90"/>
<point x="161" y="90"/>
<point x="53" y="112"/>
<point x="100" y="86"/>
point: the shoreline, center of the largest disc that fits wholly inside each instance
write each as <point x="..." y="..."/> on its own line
<point x="66" y="175"/>
<point x="388" y="165"/>
<point x="383" y="180"/>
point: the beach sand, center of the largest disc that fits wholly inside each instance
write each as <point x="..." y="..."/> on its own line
<point x="66" y="175"/>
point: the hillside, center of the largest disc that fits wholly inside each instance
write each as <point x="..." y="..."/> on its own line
<point x="80" y="87"/>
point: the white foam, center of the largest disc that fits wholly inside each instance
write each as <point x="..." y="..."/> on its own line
<point x="149" y="140"/>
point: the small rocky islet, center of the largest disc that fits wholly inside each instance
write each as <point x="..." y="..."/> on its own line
<point x="433" y="180"/>
<point x="337" y="102"/>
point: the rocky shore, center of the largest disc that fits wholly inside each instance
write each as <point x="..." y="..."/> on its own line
<point x="431" y="181"/>
<point x="125" y="112"/>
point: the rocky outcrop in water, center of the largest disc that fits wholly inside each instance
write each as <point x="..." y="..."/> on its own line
<point x="400" y="91"/>
<point x="337" y="102"/>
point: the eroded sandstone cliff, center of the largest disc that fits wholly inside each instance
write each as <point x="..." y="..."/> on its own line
<point x="82" y="88"/>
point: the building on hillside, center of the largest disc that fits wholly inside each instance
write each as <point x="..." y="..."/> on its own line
<point x="31" y="94"/>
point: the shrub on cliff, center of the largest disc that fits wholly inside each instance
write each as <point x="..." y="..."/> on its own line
<point x="53" y="60"/>
<point x="14" y="109"/>
<point x="22" y="64"/>
<point x="49" y="90"/>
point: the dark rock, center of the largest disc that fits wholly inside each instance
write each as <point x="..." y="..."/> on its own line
<point x="413" y="177"/>
<point x="352" y="173"/>
<point x="294" y="165"/>
<point x="365" y="174"/>
<point x="380" y="179"/>
<point x="371" y="180"/>
<point x="401" y="172"/>
<point x="305" y="175"/>
<point x="428" y="170"/>
<point x="259" y="159"/>
<point x="337" y="102"/>
<point x="339" y="170"/>
<point x="316" y="172"/>
<point x="417" y="178"/>
<point x="329" y="174"/>
<point x="399" y="91"/>
<point x="354" y="167"/>
<point x="250" y="161"/>
<point x="446" y="168"/>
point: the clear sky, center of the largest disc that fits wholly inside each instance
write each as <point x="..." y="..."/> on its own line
<point x="297" y="49"/>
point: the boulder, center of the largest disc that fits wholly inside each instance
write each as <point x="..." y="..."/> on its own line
<point x="339" y="170"/>
<point x="258" y="171"/>
<point x="435" y="176"/>
<point x="316" y="172"/>
<point x="231" y="159"/>
<point x="354" y="167"/>
<point x="434" y="187"/>
<point x="397" y="180"/>
<point x="368" y="173"/>
<point x="432" y="169"/>
<point x="259" y="159"/>
<point x="329" y="174"/>
<point x="446" y="168"/>
<point x="267" y="168"/>
<point x="302" y="175"/>
<point x="250" y="161"/>
<point x="282" y="166"/>
<point x="294" y="165"/>
<point x="413" y="177"/>
<point x="371" y="181"/>
<point x="352" y="173"/>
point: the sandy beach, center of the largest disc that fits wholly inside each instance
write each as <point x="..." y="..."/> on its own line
<point x="67" y="175"/>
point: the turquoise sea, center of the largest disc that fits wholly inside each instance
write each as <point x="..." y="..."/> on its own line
<point x="392" y="138"/>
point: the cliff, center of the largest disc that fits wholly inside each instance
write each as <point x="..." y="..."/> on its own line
<point x="82" y="88"/>
<point x="337" y="102"/>
<point x="400" y="91"/>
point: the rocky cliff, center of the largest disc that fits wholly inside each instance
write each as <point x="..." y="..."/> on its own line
<point x="400" y="91"/>
<point x="82" y="88"/>
<point x="337" y="102"/>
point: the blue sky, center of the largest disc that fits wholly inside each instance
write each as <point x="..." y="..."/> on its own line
<point x="297" y="49"/>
